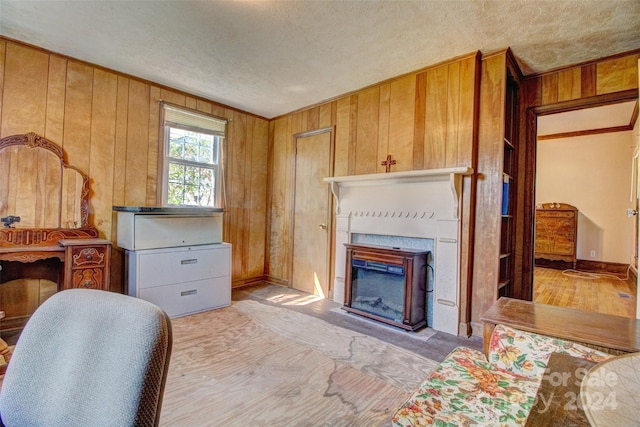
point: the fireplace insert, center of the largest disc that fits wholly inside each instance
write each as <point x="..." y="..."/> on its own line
<point x="387" y="284"/>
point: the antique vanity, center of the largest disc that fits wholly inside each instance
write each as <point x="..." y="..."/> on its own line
<point x="46" y="241"/>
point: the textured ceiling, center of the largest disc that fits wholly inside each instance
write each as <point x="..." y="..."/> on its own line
<point x="273" y="57"/>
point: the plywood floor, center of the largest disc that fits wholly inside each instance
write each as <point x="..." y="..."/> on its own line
<point x="584" y="292"/>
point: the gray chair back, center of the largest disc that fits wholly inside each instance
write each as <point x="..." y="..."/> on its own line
<point x="88" y="358"/>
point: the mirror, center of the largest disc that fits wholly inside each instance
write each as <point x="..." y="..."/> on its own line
<point x="37" y="185"/>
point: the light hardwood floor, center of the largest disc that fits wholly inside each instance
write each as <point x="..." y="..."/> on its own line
<point x="602" y="295"/>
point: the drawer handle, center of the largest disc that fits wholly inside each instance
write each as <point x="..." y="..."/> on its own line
<point x="189" y="261"/>
<point x="87" y="284"/>
<point x="89" y="257"/>
<point x="191" y="292"/>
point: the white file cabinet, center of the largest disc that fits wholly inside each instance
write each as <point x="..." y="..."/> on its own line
<point x="182" y="280"/>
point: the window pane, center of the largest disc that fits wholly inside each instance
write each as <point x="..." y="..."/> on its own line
<point x="191" y="185"/>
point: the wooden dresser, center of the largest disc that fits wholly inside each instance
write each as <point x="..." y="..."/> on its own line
<point x="556" y="232"/>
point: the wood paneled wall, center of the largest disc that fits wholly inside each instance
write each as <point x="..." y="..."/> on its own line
<point x="425" y="120"/>
<point x="107" y="123"/>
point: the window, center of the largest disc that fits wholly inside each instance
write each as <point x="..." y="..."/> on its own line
<point x="192" y="159"/>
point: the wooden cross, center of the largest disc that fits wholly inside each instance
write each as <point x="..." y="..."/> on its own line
<point x="387" y="163"/>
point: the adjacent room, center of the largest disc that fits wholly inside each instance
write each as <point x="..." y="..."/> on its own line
<point x="324" y="213"/>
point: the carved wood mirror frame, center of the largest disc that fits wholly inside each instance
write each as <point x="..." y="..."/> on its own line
<point x="67" y="187"/>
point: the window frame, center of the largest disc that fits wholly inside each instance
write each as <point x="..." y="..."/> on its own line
<point x="165" y="160"/>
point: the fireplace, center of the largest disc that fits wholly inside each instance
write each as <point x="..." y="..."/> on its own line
<point x="418" y="204"/>
<point x="387" y="284"/>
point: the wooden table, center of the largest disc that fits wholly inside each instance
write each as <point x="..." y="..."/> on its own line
<point x="613" y="334"/>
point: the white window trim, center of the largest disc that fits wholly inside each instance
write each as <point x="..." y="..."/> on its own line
<point x="219" y="128"/>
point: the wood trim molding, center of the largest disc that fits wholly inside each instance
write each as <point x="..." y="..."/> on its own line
<point x="585" y="132"/>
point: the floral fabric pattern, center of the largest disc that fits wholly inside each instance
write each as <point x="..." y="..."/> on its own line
<point x="527" y="354"/>
<point x="467" y="390"/>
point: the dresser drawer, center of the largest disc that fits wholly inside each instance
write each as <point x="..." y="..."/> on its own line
<point x="88" y="278"/>
<point x="84" y="257"/>
<point x="163" y="268"/>
<point x="191" y="297"/>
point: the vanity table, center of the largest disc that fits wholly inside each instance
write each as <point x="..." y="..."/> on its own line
<point x="46" y="241"/>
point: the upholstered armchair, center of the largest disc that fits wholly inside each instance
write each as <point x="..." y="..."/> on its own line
<point x="88" y="358"/>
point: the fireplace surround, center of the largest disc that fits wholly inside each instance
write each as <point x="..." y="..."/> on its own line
<point x="422" y="204"/>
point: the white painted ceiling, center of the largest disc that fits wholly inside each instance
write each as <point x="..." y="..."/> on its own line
<point x="602" y="117"/>
<point x="273" y="57"/>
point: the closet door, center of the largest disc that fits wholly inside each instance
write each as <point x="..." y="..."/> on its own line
<point x="312" y="212"/>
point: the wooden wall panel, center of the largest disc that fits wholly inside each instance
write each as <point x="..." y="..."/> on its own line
<point x="137" y="144"/>
<point x="569" y="84"/>
<point x="101" y="156"/>
<point x="366" y="154"/>
<point x="384" y="114"/>
<point x="467" y="112"/>
<point x="257" y="209"/>
<point x="24" y="100"/>
<point x="154" y="149"/>
<point x="120" y="144"/>
<point x="236" y="189"/>
<point x="56" y="94"/>
<point x="402" y="101"/>
<point x="108" y="126"/>
<point x="617" y="74"/>
<point x="452" y="126"/>
<point x="77" y="125"/>
<point x="436" y="118"/>
<point x="343" y="133"/>
<point x="279" y="202"/>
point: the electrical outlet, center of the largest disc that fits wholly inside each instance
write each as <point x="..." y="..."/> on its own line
<point x="593" y="254"/>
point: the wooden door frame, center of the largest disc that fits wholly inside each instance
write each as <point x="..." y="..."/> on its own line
<point x="330" y="230"/>
<point x="531" y="124"/>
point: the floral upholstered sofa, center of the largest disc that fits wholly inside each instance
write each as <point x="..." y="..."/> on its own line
<point x="466" y="389"/>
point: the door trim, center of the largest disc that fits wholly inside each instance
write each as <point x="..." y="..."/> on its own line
<point x="531" y="129"/>
<point x="331" y="231"/>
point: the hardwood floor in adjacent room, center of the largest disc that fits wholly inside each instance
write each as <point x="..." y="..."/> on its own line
<point x="583" y="291"/>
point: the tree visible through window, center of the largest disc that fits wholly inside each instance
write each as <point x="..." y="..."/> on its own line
<point x="192" y="158"/>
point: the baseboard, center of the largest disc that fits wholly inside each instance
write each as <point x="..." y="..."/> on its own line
<point x="477" y="329"/>
<point x="603" y="267"/>
<point x="241" y="283"/>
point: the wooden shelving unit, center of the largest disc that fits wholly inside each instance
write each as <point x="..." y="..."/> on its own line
<point x="509" y="175"/>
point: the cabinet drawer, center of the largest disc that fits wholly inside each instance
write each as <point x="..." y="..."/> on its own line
<point x="186" y="298"/>
<point x="83" y="257"/>
<point x="157" y="269"/>
<point x="89" y="278"/>
<point x="555" y="214"/>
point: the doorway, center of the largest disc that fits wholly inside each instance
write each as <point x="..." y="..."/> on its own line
<point x="311" y="204"/>
<point x="563" y="141"/>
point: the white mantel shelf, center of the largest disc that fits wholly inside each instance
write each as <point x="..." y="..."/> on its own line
<point x="454" y="175"/>
<point x="400" y="176"/>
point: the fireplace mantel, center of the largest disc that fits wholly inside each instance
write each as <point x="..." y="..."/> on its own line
<point x="414" y="204"/>
<point x="453" y="175"/>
